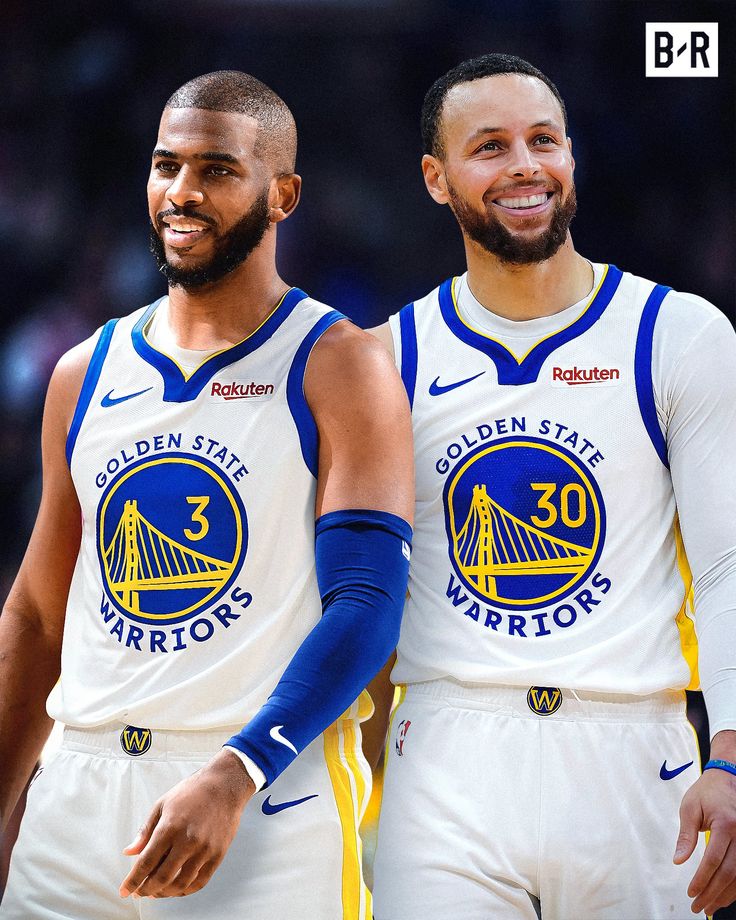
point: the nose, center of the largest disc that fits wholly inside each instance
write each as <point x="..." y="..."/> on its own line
<point x="184" y="189"/>
<point x="522" y="163"/>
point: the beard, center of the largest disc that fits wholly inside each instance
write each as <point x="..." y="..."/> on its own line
<point x="231" y="248"/>
<point x="488" y="231"/>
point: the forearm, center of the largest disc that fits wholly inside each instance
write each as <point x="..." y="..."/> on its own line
<point x="362" y="570"/>
<point x="29" y="668"/>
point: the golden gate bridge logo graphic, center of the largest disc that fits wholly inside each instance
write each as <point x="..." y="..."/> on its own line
<point x="492" y="545"/>
<point x="155" y="525"/>
<point x="494" y="542"/>
<point x="141" y="558"/>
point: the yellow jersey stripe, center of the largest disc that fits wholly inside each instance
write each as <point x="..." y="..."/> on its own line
<point x="684" y="618"/>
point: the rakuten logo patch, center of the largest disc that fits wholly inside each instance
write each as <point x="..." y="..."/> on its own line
<point x="585" y="376"/>
<point x="250" y="390"/>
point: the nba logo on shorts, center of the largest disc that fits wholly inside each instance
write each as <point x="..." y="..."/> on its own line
<point x="401" y="736"/>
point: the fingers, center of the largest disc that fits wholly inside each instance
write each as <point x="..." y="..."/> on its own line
<point x="691" y="821"/>
<point x="171" y="865"/>
<point x="718" y="867"/>
<point x="151" y="858"/>
<point x="144" y="833"/>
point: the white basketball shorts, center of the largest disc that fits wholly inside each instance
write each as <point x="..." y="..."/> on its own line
<point x="493" y="811"/>
<point x="296" y="856"/>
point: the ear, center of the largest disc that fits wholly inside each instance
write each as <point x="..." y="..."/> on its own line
<point x="283" y="196"/>
<point x="434" y="178"/>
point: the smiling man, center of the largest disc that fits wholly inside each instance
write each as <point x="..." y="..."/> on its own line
<point x="187" y="619"/>
<point x="575" y="428"/>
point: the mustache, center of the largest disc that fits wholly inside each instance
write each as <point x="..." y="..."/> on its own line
<point x="184" y="212"/>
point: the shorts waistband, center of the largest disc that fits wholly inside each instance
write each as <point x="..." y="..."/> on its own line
<point x="129" y="741"/>
<point x="557" y="703"/>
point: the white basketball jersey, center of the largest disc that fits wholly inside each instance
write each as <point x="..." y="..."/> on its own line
<point x="195" y="582"/>
<point x="546" y="547"/>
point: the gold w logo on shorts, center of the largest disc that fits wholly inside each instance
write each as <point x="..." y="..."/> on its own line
<point x="135" y="741"/>
<point x="544" y="700"/>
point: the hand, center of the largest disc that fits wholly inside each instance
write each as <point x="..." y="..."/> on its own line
<point x="710" y="804"/>
<point x="189" y="831"/>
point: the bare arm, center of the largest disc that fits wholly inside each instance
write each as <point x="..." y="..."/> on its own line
<point x="32" y="621"/>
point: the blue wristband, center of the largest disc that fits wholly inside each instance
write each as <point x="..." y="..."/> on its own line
<point x="721" y="765"/>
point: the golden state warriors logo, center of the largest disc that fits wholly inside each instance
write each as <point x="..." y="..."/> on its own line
<point x="171" y="535"/>
<point x="135" y="741"/>
<point x="525" y="522"/>
<point x="544" y="700"/>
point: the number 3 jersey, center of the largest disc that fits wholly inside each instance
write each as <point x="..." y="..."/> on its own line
<point x="195" y="582"/>
<point x="547" y="545"/>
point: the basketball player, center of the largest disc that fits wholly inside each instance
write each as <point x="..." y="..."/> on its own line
<point x="575" y="428"/>
<point x="187" y="448"/>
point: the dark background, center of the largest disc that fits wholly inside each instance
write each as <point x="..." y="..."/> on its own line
<point x="83" y="85"/>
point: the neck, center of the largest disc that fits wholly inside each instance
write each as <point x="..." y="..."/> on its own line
<point x="222" y="314"/>
<point x="520" y="292"/>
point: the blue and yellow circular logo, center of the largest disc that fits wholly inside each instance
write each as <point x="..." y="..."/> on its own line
<point x="525" y="522"/>
<point x="171" y="535"/>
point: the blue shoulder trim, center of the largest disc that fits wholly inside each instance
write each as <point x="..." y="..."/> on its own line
<point x="511" y="371"/>
<point x="643" y="370"/>
<point x="94" y="369"/>
<point x="180" y="388"/>
<point x="300" y="411"/>
<point x="408" y="330"/>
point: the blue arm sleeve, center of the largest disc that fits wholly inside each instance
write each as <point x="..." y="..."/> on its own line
<point x="362" y="562"/>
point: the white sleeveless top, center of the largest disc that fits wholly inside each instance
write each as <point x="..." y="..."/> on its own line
<point x="546" y="547"/>
<point x="195" y="582"/>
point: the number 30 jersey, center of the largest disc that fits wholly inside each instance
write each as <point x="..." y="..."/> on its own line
<point x="547" y="545"/>
<point x="195" y="582"/>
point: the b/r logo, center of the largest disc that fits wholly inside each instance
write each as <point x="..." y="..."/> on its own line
<point x="682" y="49"/>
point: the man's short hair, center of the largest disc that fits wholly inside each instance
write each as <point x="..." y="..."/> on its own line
<point x="234" y="91"/>
<point x="487" y="65"/>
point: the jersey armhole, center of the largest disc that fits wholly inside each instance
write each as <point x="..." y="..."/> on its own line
<point x="643" y="371"/>
<point x="301" y="413"/>
<point x="94" y="369"/>
<point x="408" y="365"/>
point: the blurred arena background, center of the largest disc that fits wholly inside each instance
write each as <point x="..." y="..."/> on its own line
<point x="83" y="87"/>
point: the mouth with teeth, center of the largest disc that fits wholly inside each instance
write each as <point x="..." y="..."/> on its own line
<point x="526" y="205"/>
<point x="181" y="232"/>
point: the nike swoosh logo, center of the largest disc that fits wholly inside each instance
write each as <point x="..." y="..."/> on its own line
<point x="268" y="809"/>
<point x="664" y="773"/>
<point x="109" y="400"/>
<point x="275" y="733"/>
<point x="436" y="388"/>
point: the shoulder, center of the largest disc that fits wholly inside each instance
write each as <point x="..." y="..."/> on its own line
<point x="384" y="336"/>
<point x="68" y="377"/>
<point x="348" y="356"/>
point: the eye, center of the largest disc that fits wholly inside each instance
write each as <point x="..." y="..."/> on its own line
<point x="490" y="147"/>
<point x="218" y="171"/>
<point x="544" y="139"/>
<point x="165" y="166"/>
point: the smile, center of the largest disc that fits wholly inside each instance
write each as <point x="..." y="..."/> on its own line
<point x="183" y="236"/>
<point x="526" y="205"/>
